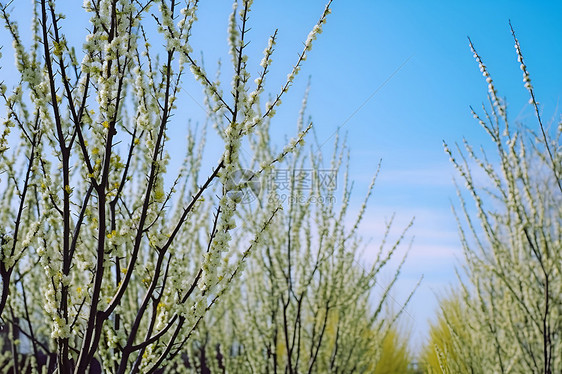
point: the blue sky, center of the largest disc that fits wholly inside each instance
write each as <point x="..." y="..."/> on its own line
<point x="398" y="78"/>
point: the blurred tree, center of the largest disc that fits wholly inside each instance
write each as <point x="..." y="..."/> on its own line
<point x="511" y="313"/>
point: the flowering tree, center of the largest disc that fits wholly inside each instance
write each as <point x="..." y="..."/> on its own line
<point x="305" y="304"/>
<point x="513" y="257"/>
<point x="101" y="264"/>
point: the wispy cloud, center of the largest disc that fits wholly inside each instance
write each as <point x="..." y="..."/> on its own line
<point x="433" y="175"/>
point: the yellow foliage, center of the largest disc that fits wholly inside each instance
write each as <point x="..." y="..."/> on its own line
<point x="450" y="344"/>
<point x="395" y="356"/>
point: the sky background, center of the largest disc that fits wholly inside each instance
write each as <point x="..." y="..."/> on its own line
<point x="397" y="77"/>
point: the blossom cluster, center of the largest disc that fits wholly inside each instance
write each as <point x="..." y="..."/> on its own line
<point x="491" y="88"/>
